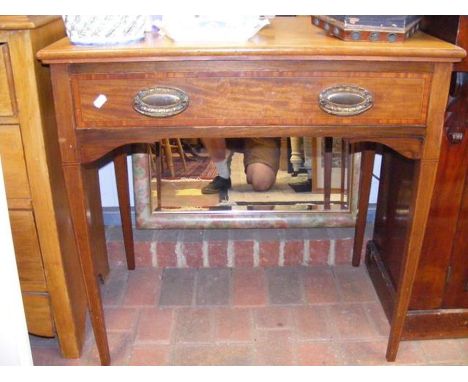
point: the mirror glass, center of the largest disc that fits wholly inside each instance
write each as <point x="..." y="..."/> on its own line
<point x="288" y="175"/>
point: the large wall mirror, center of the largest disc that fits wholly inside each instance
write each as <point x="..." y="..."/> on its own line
<point x="316" y="184"/>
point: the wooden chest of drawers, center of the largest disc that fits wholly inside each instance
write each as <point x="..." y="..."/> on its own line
<point x="45" y="249"/>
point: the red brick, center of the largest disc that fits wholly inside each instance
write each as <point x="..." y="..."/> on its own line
<point x="217" y="253"/>
<point x="343" y="251"/>
<point x="249" y="287"/>
<point x="233" y="324"/>
<point x="293" y="252"/>
<point x="166" y="255"/>
<point x="269" y="253"/>
<point x="243" y="253"/>
<point x="149" y="355"/>
<point x="318" y="354"/>
<point x="155" y="325"/>
<point x="318" y="252"/>
<point x="193" y="252"/>
<point x="143" y="255"/>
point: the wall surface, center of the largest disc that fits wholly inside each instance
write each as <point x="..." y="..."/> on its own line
<point x="15" y="349"/>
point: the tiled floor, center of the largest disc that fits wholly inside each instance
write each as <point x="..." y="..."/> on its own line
<point x="248" y="316"/>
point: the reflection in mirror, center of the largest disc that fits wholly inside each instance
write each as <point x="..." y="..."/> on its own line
<point x="295" y="174"/>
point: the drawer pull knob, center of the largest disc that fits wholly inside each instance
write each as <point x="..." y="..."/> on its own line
<point x="160" y="102"/>
<point x="345" y="100"/>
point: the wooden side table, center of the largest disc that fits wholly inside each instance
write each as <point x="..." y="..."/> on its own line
<point x="268" y="86"/>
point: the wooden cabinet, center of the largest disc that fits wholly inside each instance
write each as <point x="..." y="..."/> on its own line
<point x="46" y="255"/>
<point x="439" y="300"/>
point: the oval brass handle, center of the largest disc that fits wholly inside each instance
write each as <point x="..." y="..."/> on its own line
<point x="345" y="100"/>
<point x="160" y="102"/>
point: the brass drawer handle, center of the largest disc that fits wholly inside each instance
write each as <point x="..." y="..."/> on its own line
<point x="160" y="102"/>
<point x="345" y="100"/>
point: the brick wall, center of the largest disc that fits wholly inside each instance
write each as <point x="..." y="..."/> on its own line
<point x="237" y="248"/>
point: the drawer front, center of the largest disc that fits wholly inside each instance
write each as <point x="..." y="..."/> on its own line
<point x="38" y="314"/>
<point x="250" y="98"/>
<point x="27" y="251"/>
<point x="7" y="99"/>
<point x="13" y="163"/>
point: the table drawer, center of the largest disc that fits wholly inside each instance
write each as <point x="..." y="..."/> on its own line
<point x="27" y="251"/>
<point x="38" y="314"/>
<point x="13" y="162"/>
<point x="238" y="98"/>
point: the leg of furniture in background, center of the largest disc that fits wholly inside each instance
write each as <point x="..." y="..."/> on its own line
<point x="121" y="177"/>
<point x="296" y="157"/>
<point x="365" y="182"/>
<point x="158" y="153"/>
<point x="344" y="156"/>
<point x="327" y="176"/>
<point x="284" y="160"/>
<point x="181" y="153"/>
<point x="168" y="155"/>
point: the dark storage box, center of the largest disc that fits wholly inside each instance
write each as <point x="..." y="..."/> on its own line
<point x="369" y="28"/>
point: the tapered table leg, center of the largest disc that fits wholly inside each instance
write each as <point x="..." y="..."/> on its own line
<point x="121" y="177"/>
<point x="365" y="182"/>
<point x="328" y="167"/>
<point x="81" y="201"/>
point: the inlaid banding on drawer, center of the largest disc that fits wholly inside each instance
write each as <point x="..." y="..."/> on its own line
<point x="251" y="98"/>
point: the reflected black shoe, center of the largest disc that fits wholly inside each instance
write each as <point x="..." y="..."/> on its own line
<point x="217" y="185"/>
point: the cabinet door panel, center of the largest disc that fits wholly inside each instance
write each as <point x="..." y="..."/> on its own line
<point x="27" y="251"/>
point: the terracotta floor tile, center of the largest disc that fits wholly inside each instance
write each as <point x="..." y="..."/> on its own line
<point x="142" y="287"/>
<point x="233" y="324"/>
<point x="50" y="356"/>
<point x="177" y="287"/>
<point x="193" y="325"/>
<point x="350" y="321"/>
<point x="317" y="354"/>
<point x="119" y="346"/>
<point x="149" y="355"/>
<point x="113" y="290"/>
<point x="155" y="324"/>
<point x="272" y="317"/>
<point x="284" y="285"/>
<point x="320" y="285"/>
<point x="312" y="323"/>
<point x="354" y="284"/>
<point x="274" y="348"/>
<point x="249" y="287"/>
<point x="213" y="355"/>
<point x="447" y="351"/>
<point x="213" y="286"/>
<point x="121" y="318"/>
